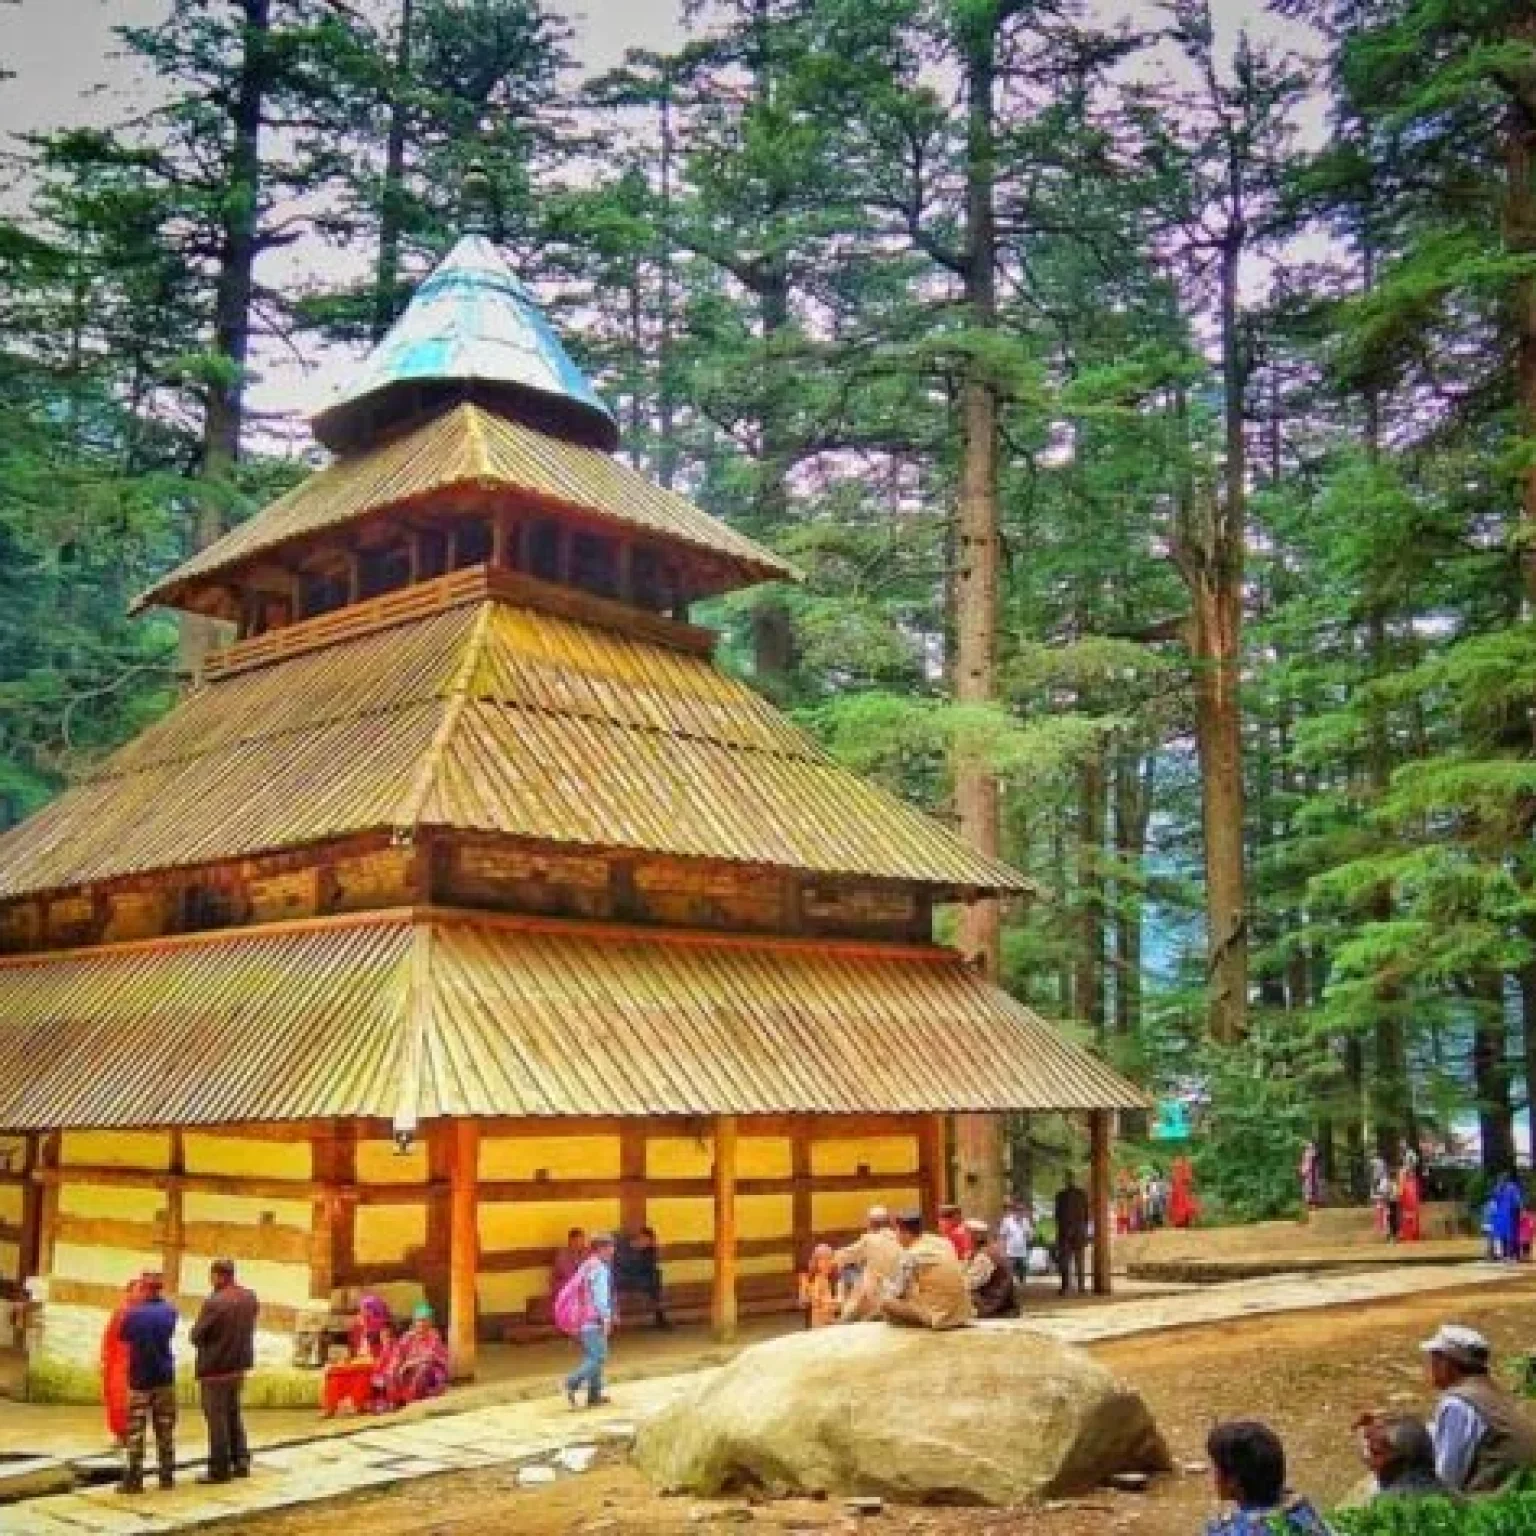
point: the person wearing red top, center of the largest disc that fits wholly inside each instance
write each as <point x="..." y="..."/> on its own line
<point x="952" y="1225"/>
<point x="114" y="1367"/>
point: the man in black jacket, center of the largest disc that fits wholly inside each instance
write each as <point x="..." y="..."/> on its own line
<point x="224" y="1337"/>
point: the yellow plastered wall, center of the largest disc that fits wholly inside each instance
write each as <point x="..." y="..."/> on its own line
<point x="765" y="1157"/>
<point x="246" y="1210"/>
<point x="845" y="1210"/>
<point x="379" y="1162"/>
<point x="682" y="1218"/>
<point x="557" y="1157"/>
<point x="870" y="1154"/>
<point x="386" y="1234"/>
<point x="116" y="1149"/>
<point x="280" y="1285"/>
<point x="120" y="1204"/>
<point x="762" y="1216"/>
<point x="542" y="1223"/>
<point x="511" y="1290"/>
<point x="13" y="1203"/>
<point x="679" y="1157"/>
<point x="688" y="1271"/>
<point x="103" y="1266"/>
<point x="234" y="1156"/>
<point x="10" y="1261"/>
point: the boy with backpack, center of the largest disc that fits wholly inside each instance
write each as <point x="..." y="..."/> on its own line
<point x="584" y="1310"/>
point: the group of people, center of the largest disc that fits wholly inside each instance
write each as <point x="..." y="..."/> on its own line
<point x="1148" y="1199"/>
<point x="1509" y="1227"/>
<point x="386" y="1366"/>
<point x="1396" y="1195"/>
<point x="139" y="1371"/>
<point x="1477" y="1442"/>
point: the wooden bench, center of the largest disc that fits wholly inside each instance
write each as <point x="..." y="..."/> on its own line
<point x="756" y="1296"/>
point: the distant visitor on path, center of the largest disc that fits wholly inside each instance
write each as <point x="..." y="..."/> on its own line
<point x="420" y="1367"/>
<point x="637" y="1268"/>
<point x="1409" y="1193"/>
<point x="567" y="1260"/>
<point x="1481" y="1435"/>
<point x="989" y="1275"/>
<point x="870" y="1264"/>
<point x="114" y="1366"/>
<point x="1183" y="1207"/>
<point x="1248" y="1465"/>
<point x="224" y="1337"/>
<point x="586" y="1310"/>
<point x="818" y="1289"/>
<point x="1311" y="1175"/>
<point x="1017" y="1232"/>
<point x="1071" y="1234"/>
<point x="147" y="1330"/>
<point x="1508" y="1203"/>
<point x="1384" y="1198"/>
<point x="929" y="1290"/>
<point x="1398" y="1450"/>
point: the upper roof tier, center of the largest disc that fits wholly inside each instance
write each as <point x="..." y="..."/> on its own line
<point x="472" y="332"/>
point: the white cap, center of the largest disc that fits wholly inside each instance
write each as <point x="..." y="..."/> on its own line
<point x="1466" y="1346"/>
<point x="878" y="1213"/>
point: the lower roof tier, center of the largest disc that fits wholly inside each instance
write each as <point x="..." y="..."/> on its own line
<point x="485" y="719"/>
<point x="413" y="1015"/>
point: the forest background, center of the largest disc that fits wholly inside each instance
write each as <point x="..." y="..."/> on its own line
<point x="1152" y="411"/>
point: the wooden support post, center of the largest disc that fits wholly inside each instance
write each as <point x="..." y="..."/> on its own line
<point x="933" y="1161"/>
<point x="463" y="1248"/>
<point x="173" y="1239"/>
<point x="632" y="1203"/>
<point x="499" y="541"/>
<point x="800" y="1167"/>
<point x="1099" y="1135"/>
<point x="723" y="1296"/>
<point x="31" y="1211"/>
<point x="48" y="1211"/>
<point x="333" y="1157"/>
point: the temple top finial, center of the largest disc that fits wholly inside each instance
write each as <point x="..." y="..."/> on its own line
<point x="478" y="198"/>
<point x="471" y="333"/>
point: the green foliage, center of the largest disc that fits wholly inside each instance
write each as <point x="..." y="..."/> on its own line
<point x="1512" y="1514"/>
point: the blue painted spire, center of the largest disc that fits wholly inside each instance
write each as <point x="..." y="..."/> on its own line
<point x="472" y="332"/>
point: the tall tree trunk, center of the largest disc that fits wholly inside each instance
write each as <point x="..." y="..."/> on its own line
<point x="225" y="410"/>
<point x="1088" y="989"/>
<point x="666" y="387"/>
<point x="1490" y="1073"/>
<point x="1520" y="238"/>
<point x="386" y="279"/>
<point x="979" y="1143"/>
<point x="1527" y="980"/>
<point x="1134" y="770"/>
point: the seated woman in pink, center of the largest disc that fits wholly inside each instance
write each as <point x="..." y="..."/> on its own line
<point x="419" y="1366"/>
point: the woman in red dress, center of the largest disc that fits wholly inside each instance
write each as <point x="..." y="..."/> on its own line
<point x="1183" y="1207"/>
<point x="114" y="1367"/>
<point x="1409" y="1194"/>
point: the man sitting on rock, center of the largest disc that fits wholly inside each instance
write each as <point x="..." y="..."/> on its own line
<point x="1248" y="1464"/>
<point x="1482" y="1438"/>
<point x="869" y="1264"/>
<point x="989" y="1275"/>
<point x="929" y="1290"/>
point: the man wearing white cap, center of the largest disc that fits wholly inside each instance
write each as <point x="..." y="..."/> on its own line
<point x="873" y="1261"/>
<point x="1482" y="1439"/>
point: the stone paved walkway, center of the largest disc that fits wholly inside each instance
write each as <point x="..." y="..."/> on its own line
<point x="545" y="1435"/>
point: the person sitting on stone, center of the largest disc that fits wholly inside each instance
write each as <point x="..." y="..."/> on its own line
<point x="1248" y="1465"/>
<point x="929" y="1290"/>
<point x="637" y="1269"/>
<point x="989" y="1275"/>
<point x="952" y="1225"/>
<point x="1398" y="1450"/>
<point x="567" y="1261"/>
<point x="818" y="1289"/>
<point x="868" y="1265"/>
<point x="1481" y="1436"/>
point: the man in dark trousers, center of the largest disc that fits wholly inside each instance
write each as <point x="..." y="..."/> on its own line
<point x="147" y="1330"/>
<point x="224" y="1336"/>
<point x="1071" y="1233"/>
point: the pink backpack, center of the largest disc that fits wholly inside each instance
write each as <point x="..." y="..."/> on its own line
<point x="573" y="1306"/>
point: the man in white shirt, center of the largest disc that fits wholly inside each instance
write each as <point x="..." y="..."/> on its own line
<point x="1018" y="1234"/>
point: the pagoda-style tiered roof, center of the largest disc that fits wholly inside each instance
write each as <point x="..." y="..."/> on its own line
<point x="487" y="718"/>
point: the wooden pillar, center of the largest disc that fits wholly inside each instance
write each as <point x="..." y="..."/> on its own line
<point x="463" y="1247"/>
<point x="933" y="1166"/>
<point x="1100" y="1137"/>
<point x="801" y="1134"/>
<point x="723" y="1295"/>
<point x="499" y="541"/>
<point x="632" y="1203"/>
<point x="31" y="1210"/>
<point x="173" y="1239"/>
<point x="49" y="1160"/>
<point x="333" y="1214"/>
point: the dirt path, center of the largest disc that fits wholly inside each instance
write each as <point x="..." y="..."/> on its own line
<point x="1309" y="1374"/>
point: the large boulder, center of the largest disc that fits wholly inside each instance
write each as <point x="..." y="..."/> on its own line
<point x="994" y="1414"/>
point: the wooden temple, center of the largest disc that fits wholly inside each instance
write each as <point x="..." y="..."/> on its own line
<point x="466" y="900"/>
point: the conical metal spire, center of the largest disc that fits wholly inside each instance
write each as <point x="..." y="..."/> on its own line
<point x="472" y="332"/>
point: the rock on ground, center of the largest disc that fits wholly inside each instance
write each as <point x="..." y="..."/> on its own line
<point x="988" y="1415"/>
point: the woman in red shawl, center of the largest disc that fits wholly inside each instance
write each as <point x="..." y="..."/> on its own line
<point x="1409" y="1192"/>
<point x="1183" y="1207"/>
<point x="114" y="1367"/>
